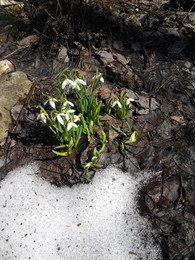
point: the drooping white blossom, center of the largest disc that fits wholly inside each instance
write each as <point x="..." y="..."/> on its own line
<point x="67" y="82"/>
<point x="76" y="118"/>
<point x="129" y="100"/>
<point x="116" y="103"/>
<point x="99" y="75"/>
<point x="71" y="125"/>
<point x="67" y="103"/>
<point x="42" y="118"/>
<point x="60" y="119"/>
<point x="74" y="84"/>
<point x="70" y="111"/>
<point x="51" y="102"/>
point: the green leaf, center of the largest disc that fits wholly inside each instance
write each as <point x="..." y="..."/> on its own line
<point x="61" y="146"/>
<point x="118" y="130"/>
<point x="97" y="165"/>
<point x="61" y="153"/>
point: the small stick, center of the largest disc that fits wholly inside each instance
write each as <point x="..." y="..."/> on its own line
<point x="109" y="92"/>
<point x="19" y="49"/>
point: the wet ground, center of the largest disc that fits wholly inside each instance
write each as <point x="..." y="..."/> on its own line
<point x="145" y="48"/>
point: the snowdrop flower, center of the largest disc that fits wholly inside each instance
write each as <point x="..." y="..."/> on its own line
<point x="129" y="100"/>
<point x="67" y="82"/>
<point x="116" y="103"/>
<point x="73" y="84"/>
<point x="51" y="101"/>
<point x="99" y="76"/>
<point x="42" y="118"/>
<point x="70" y="111"/>
<point x="71" y="125"/>
<point x="66" y="115"/>
<point x="76" y="118"/>
<point x="102" y="79"/>
<point x="77" y="82"/>
<point x="67" y="103"/>
<point x="60" y="119"/>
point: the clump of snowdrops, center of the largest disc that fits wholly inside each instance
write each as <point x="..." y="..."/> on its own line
<point x="75" y="111"/>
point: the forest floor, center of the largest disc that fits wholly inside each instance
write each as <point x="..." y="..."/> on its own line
<point x="146" y="48"/>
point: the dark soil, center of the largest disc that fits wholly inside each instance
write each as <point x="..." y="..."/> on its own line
<point x="146" y="49"/>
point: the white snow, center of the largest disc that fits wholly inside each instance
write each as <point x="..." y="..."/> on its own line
<point x="96" y="221"/>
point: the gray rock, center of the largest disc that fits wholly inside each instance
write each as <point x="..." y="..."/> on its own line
<point x="63" y="55"/>
<point x="185" y="160"/>
<point x="122" y="59"/>
<point x="105" y="57"/>
<point x="164" y="130"/>
<point x="13" y="88"/>
<point x="148" y="104"/>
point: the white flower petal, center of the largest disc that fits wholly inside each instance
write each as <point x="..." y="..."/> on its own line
<point x="119" y="104"/>
<point x="129" y="100"/>
<point x="67" y="82"/>
<point x="99" y="75"/>
<point x="70" y="111"/>
<point x="102" y="79"/>
<point x="77" y="87"/>
<point x="80" y="81"/>
<point x="42" y="118"/>
<point x="71" y="125"/>
<point x="52" y="103"/>
<point x="116" y="103"/>
<point x="88" y="165"/>
<point x="60" y="120"/>
<point x="67" y="117"/>
<point x="68" y="103"/>
<point x="76" y="118"/>
<point x="45" y="103"/>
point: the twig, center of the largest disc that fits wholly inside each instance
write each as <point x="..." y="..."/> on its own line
<point x="109" y="92"/>
<point x="49" y="14"/>
<point x="188" y="13"/>
<point x="7" y="56"/>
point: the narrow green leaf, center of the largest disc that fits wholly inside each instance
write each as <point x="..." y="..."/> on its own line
<point x="61" y="153"/>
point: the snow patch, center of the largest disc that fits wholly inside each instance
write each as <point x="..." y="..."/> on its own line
<point x="93" y="221"/>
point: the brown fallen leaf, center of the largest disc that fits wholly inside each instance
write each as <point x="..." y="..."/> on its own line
<point x="179" y="119"/>
<point x="132" y="253"/>
<point x="118" y="45"/>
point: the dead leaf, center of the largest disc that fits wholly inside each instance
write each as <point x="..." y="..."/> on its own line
<point x="118" y="45"/>
<point x="179" y="119"/>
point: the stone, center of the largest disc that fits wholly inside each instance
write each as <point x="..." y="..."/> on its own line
<point x="13" y="88"/>
<point x="118" y="45"/>
<point x="165" y="130"/>
<point x="185" y="159"/>
<point x="14" y="8"/>
<point x="13" y="17"/>
<point x="105" y="57"/>
<point x="63" y="55"/>
<point x="148" y="104"/>
<point x="121" y="59"/>
<point x="6" y="66"/>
